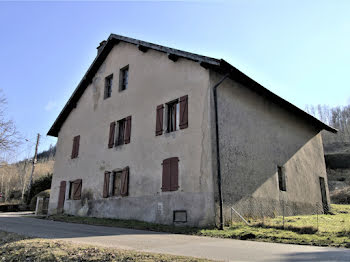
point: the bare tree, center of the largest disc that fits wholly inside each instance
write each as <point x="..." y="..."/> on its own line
<point x="9" y="137"/>
<point x="338" y="117"/>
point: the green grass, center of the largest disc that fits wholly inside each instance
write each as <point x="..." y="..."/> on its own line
<point x="332" y="230"/>
<point x="14" y="247"/>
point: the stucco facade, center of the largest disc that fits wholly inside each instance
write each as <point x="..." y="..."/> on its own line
<point x="255" y="136"/>
<point x="153" y="80"/>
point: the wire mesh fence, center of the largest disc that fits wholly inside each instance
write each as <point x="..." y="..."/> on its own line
<point x="298" y="217"/>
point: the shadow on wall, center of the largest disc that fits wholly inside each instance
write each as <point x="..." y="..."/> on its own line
<point x="339" y="255"/>
<point x="257" y="136"/>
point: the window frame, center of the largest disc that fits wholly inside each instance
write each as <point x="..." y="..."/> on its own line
<point x="172" y="115"/>
<point x="116" y="173"/>
<point x="70" y="190"/>
<point x="122" y="85"/>
<point x="281" y="176"/>
<point x="120" y="133"/>
<point x="109" y="85"/>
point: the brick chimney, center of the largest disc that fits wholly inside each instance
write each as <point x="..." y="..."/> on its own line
<point x="100" y="47"/>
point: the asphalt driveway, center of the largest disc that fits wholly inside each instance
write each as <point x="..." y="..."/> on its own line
<point x="195" y="246"/>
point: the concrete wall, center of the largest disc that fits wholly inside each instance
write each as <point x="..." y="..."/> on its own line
<point x="153" y="80"/>
<point x="256" y="136"/>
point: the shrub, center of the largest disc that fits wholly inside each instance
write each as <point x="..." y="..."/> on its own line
<point x="38" y="186"/>
<point x="341" y="196"/>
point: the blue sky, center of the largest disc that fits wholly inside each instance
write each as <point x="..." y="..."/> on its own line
<point x="298" y="49"/>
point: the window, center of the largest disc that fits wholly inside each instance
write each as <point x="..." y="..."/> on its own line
<point x="173" y="116"/>
<point x="124" y="78"/>
<point x="122" y="132"/>
<point x="170" y="174"/>
<point x="281" y="178"/>
<point x="108" y="86"/>
<point x="70" y="195"/>
<point x="119" y="181"/>
<point x="75" y="148"/>
<point x="75" y="189"/>
<point x="176" y="116"/>
<point x="180" y="216"/>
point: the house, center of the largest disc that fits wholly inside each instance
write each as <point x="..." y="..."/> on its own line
<point x="161" y="135"/>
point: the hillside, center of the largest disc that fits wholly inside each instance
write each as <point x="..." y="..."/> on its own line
<point x="337" y="157"/>
<point x="15" y="177"/>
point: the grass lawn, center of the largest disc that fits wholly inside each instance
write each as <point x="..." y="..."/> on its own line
<point x="14" y="247"/>
<point x="333" y="230"/>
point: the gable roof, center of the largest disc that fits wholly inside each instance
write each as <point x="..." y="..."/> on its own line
<point x="218" y="65"/>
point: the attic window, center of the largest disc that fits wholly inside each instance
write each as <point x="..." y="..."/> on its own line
<point x="124" y="78"/>
<point x="108" y="86"/>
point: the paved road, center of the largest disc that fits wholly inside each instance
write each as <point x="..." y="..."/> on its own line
<point x="205" y="247"/>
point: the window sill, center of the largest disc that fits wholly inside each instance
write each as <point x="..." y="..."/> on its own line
<point x="115" y="197"/>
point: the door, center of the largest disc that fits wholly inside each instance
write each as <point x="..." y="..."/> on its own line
<point x="324" y="195"/>
<point x="61" y="196"/>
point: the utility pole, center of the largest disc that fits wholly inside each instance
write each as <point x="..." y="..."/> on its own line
<point x="33" y="166"/>
<point x="24" y="179"/>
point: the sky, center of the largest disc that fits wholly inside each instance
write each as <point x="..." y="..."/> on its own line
<point x="299" y="50"/>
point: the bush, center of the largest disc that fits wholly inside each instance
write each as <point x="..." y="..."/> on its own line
<point x="38" y="186"/>
<point x="341" y="196"/>
<point x="44" y="194"/>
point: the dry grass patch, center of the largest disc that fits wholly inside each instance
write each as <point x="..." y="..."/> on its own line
<point x="14" y="247"/>
<point x="332" y="230"/>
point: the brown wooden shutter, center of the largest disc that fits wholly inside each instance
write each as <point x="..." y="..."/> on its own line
<point x="77" y="189"/>
<point x="166" y="175"/>
<point x="61" y="196"/>
<point x="159" y="120"/>
<point x="174" y="173"/>
<point x="77" y="146"/>
<point x="125" y="182"/>
<point x="75" y="149"/>
<point x="183" y="112"/>
<point x="111" y="135"/>
<point x="106" y="184"/>
<point x="127" y="131"/>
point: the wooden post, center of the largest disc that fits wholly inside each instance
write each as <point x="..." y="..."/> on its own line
<point x="33" y="167"/>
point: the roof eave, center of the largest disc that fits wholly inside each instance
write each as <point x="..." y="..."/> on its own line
<point x="238" y="76"/>
<point x="217" y="65"/>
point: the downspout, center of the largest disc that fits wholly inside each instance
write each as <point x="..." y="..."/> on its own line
<point x="218" y="150"/>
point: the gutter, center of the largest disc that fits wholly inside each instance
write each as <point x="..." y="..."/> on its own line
<point x="218" y="150"/>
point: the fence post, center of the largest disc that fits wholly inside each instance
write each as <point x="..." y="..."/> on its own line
<point x="283" y="212"/>
<point x="317" y="215"/>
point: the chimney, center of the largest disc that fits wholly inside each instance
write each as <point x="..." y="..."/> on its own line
<point x="101" y="46"/>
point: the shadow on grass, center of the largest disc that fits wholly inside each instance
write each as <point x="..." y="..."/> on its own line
<point x="339" y="255"/>
<point x="131" y="224"/>
<point x="300" y="230"/>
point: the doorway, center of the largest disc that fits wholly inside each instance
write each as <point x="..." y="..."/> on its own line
<point x="61" y="197"/>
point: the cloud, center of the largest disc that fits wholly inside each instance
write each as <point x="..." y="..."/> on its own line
<point x="50" y="105"/>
